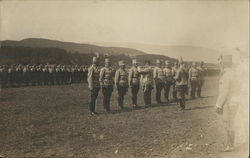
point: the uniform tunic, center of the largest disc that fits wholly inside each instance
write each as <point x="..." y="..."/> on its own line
<point x="106" y="82"/>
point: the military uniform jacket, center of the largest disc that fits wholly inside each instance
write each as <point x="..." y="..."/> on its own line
<point x="159" y="75"/>
<point x="181" y="77"/>
<point x="228" y="89"/>
<point x="201" y="74"/>
<point x="147" y="76"/>
<point x="106" y="76"/>
<point x="93" y="77"/>
<point x="168" y="74"/>
<point x="121" y="78"/>
<point x="193" y="74"/>
<point x="133" y="78"/>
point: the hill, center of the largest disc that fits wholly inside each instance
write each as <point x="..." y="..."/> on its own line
<point x="71" y="47"/>
<point x="188" y="53"/>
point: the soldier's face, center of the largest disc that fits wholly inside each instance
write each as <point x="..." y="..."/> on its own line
<point x="107" y="64"/>
<point x="123" y="66"/>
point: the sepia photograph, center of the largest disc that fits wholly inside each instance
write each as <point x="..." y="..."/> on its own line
<point x="124" y="79"/>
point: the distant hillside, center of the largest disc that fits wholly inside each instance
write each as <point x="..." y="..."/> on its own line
<point x="71" y="47"/>
<point x="188" y="53"/>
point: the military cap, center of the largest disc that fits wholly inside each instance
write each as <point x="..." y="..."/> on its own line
<point x="158" y="61"/>
<point x="134" y="61"/>
<point x="94" y="60"/>
<point x="107" y="60"/>
<point x="167" y="62"/>
<point x="121" y="63"/>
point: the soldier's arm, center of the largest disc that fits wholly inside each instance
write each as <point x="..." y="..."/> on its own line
<point x="189" y="74"/>
<point x="90" y="74"/>
<point x="101" y="76"/>
<point x="130" y="75"/>
<point x="117" y="77"/>
<point x="155" y="73"/>
<point x="177" y="75"/>
<point x="223" y="92"/>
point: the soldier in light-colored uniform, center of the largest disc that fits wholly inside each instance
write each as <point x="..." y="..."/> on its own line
<point x="169" y="79"/>
<point x="181" y="81"/>
<point x="229" y="99"/>
<point x="107" y="82"/>
<point x="121" y="82"/>
<point x="134" y="81"/>
<point x="174" y="71"/>
<point x="94" y="84"/>
<point x="201" y="78"/>
<point x="193" y="79"/>
<point x="159" y="78"/>
<point x="147" y="83"/>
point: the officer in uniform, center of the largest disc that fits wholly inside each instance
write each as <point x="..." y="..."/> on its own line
<point x="169" y="79"/>
<point x="226" y="106"/>
<point x="147" y="83"/>
<point x="193" y="79"/>
<point x="201" y="78"/>
<point x="106" y="82"/>
<point x="181" y="81"/>
<point x="121" y="82"/>
<point x="159" y="78"/>
<point x="94" y="84"/>
<point x="134" y="81"/>
<point x="174" y="71"/>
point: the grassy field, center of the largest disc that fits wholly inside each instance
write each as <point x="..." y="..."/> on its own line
<point x="54" y="121"/>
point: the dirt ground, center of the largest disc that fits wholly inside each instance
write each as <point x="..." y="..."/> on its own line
<point x="53" y="121"/>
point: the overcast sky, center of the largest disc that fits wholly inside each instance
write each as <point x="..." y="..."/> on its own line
<point x="212" y="24"/>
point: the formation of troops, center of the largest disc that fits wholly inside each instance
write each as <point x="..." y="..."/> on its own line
<point x="161" y="77"/>
<point x="49" y="74"/>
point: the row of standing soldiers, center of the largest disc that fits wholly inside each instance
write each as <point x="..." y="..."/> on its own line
<point x="25" y="75"/>
<point x="160" y="77"/>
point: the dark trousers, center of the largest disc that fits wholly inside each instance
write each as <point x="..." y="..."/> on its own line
<point x="193" y="84"/>
<point x="166" y="90"/>
<point x="121" y="93"/>
<point x="181" y="90"/>
<point x="93" y="96"/>
<point x="159" y="87"/>
<point x="134" y="91"/>
<point x="147" y="95"/>
<point x="174" y="92"/>
<point x="199" y="86"/>
<point x="107" y="92"/>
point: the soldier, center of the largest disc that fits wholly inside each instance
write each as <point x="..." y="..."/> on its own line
<point x="106" y="82"/>
<point x="121" y="82"/>
<point x="134" y="81"/>
<point x="33" y="75"/>
<point x="51" y="74"/>
<point x="226" y="105"/>
<point x="174" y="71"/>
<point x="11" y="77"/>
<point x="181" y="81"/>
<point x="18" y="75"/>
<point x="159" y="78"/>
<point x="193" y="79"/>
<point x="147" y="83"/>
<point x="45" y="74"/>
<point x="26" y="75"/>
<point x="94" y="84"/>
<point x="169" y="79"/>
<point x="201" y="78"/>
